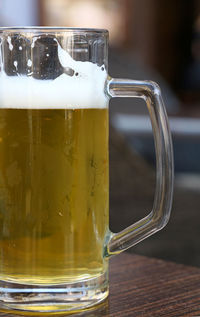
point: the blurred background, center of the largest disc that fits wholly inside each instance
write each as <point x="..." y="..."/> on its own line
<point x="157" y="40"/>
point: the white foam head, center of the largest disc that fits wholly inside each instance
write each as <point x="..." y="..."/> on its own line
<point x="85" y="89"/>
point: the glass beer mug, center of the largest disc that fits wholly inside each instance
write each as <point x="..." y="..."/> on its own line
<point x="55" y="241"/>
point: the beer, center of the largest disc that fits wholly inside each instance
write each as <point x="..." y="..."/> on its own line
<point x="53" y="194"/>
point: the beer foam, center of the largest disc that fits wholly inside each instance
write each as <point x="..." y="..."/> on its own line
<point x="84" y="89"/>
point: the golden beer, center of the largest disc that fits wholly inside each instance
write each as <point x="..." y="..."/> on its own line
<point x="53" y="194"/>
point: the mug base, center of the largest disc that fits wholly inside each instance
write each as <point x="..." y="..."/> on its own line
<point x="70" y="297"/>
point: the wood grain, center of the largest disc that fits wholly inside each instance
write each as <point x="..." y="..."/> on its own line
<point x="151" y="287"/>
<point x="141" y="286"/>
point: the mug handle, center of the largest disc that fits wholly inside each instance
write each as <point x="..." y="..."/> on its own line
<point x="159" y="216"/>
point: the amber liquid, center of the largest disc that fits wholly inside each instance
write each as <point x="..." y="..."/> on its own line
<point x="53" y="194"/>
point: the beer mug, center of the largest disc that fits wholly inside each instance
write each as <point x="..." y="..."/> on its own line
<point x="55" y="241"/>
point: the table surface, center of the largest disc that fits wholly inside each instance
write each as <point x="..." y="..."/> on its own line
<point x="141" y="286"/>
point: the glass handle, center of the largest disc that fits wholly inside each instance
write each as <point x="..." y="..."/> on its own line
<point x="159" y="216"/>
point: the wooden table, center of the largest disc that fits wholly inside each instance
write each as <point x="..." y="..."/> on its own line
<point x="141" y="286"/>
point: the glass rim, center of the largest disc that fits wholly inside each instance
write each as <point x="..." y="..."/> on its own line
<point x="52" y="29"/>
